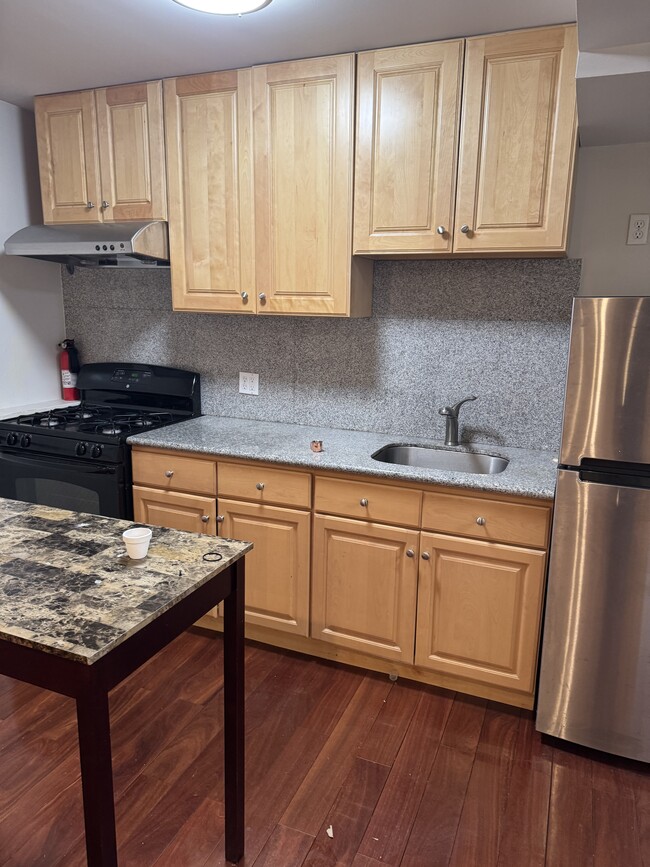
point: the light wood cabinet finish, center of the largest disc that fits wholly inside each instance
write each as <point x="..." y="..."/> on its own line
<point x="371" y="502"/>
<point x="208" y="130"/>
<point x="174" y="472"/>
<point x="186" y="512"/>
<point x="132" y="152"/>
<point x="518" y="139"/>
<point x="408" y="105"/>
<point x="264" y="484"/>
<point x="364" y="586"/>
<point x="277" y="569"/>
<point x="303" y="120"/>
<point x="68" y="157"/>
<point x="493" y="520"/>
<point x="479" y="611"/>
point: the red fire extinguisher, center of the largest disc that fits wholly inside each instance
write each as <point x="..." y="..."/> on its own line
<point x="69" y="364"/>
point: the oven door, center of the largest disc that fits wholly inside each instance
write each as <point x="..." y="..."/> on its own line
<point x="81" y="486"/>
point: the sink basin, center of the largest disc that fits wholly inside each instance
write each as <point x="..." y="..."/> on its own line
<point x="431" y="458"/>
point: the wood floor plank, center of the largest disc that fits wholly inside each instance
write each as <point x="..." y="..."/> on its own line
<point x="349" y="816"/>
<point x="286" y="847"/>
<point x="642" y="802"/>
<point x="195" y="839"/>
<point x="388" y="731"/>
<point x="432" y="837"/>
<point x="570" y="838"/>
<point x="463" y="728"/>
<point x="616" y="833"/>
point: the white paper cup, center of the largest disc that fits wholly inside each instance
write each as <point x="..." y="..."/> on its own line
<point x="137" y="542"/>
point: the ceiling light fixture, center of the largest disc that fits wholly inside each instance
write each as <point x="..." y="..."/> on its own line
<point x="224" y="7"/>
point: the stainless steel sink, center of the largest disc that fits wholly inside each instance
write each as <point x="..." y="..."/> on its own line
<point x="432" y="458"/>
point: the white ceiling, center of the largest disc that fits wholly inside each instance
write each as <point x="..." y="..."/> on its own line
<point x="48" y="46"/>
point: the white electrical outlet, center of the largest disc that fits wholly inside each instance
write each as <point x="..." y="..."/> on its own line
<point x="249" y="383"/>
<point x="637" y="232"/>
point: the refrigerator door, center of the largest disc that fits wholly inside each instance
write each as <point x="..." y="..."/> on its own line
<point x="595" y="674"/>
<point x="607" y="405"/>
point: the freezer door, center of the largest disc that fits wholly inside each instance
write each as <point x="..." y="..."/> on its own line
<point x="607" y="405"/>
<point x="595" y="675"/>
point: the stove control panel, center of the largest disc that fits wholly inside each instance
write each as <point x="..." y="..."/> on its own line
<point x="131" y="376"/>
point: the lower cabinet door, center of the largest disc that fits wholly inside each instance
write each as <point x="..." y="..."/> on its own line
<point x="277" y="569"/>
<point x="177" y="511"/>
<point x="479" y="610"/>
<point x="364" y="586"/>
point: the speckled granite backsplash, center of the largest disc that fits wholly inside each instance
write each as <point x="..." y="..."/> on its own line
<point x="440" y="330"/>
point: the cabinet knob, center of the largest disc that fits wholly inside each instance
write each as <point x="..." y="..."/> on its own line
<point x="244" y="296"/>
<point x="220" y="519"/>
<point x="205" y="518"/>
<point x="169" y="473"/>
<point x="480" y="521"/>
<point x="363" y="502"/>
<point x="105" y="204"/>
<point x="465" y="229"/>
<point x="426" y="555"/>
<point x="90" y="206"/>
<point x="441" y="230"/>
<point x="262" y="297"/>
<point x="410" y="552"/>
<point x="260" y="486"/>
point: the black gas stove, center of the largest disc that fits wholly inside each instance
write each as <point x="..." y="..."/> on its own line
<point x="77" y="457"/>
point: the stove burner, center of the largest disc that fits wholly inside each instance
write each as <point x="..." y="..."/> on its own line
<point x="142" y="422"/>
<point x="111" y="430"/>
<point x="50" y="421"/>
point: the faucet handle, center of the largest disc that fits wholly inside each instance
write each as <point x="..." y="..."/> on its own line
<point x="454" y="410"/>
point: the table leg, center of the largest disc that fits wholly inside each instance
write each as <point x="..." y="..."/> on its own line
<point x="97" y="778"/>
<point x="233" y="663"/>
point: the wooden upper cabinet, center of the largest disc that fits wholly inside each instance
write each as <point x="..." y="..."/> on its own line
<point x="68" y="156"/>
<point x="518" y="142"/>
<point x="408" y="102"/>
<point x="132" y="152"/>
<point x="208" y="131"/>
<point x="303" y="121"/>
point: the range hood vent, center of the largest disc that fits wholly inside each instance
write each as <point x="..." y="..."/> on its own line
<point x="97" y="245"/>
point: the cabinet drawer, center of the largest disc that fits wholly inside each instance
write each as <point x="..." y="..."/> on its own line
<point x="265" y="485"/>
<point x="174" y="472"/>
<point x="486" y="519"/>
<point x="177" y="511"/>
<point x="383" y="503"/>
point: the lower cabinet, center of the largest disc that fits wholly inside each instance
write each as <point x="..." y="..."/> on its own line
<point x="479" y="610"/>
<point x="364" y="586"/>
<point x="277" y="569"/>
<point x="188" y="512"/>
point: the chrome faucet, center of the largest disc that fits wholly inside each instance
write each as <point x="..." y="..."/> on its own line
<point x="451" y="416"/>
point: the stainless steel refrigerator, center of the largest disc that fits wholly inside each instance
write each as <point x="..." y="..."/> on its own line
<point x="595" y="670"/>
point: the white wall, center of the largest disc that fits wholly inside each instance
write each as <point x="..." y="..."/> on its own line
<point x="31" y="300"/>
<point x="612" y="183"/>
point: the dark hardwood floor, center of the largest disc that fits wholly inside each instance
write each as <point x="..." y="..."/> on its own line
<point x="401" y="774"/>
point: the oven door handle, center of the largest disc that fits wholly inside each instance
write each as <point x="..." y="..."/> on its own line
<point x="80" y="466"/>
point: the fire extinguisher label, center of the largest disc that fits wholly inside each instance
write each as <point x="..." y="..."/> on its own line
<point x="68" y="379"/>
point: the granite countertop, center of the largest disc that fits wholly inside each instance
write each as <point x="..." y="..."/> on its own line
<point x="68" y="587"/>
<point x="530" y="473"/>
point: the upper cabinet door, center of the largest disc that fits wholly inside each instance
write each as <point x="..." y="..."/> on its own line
<point x="208" y="132"/>
<point x="68" y="157"/>
<point x="407" y="133"/>
<point x="303" y="116"/>
<point x="518" y="141"/>
<point x="132" y="154"/>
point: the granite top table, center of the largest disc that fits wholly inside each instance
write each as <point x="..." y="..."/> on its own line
<point x="77" y="616"/>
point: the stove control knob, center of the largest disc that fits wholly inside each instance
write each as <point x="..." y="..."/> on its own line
<point x="96" y="452"/>
<point x="81" y="449"/>
<point x="12" y="439"/>
<point x="25" y="441"/>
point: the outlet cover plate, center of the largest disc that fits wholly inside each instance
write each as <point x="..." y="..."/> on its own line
<point x="637" y="232"/>
<point x="249" y="383"/>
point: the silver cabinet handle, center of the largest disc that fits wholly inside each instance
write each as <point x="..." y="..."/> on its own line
<point x="244" y="296"/>
<point x="410" y="552"/>
<point x="426" y="555"/>
<point x="205" y="518"/>
<point x="363" y="502"/>
<point x="105" y="204"/>
<point x="441" y="230"/>
<point x="169" y="473"/>
<point x="260" y="486"/>
<point x="480" y="521"/>
<point x="90" y="206"/>
<point x="262" y="296"/>
<point x="465" y="229"/>
<point x="220" y="519"/>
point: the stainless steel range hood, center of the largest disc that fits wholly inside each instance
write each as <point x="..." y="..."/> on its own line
<point x="97" y="245"/>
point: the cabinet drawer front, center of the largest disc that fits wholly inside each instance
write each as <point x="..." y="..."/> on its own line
<point x="177" y="511"/>
<point x="175" y="472"/>
<point x="383" y="503"/>
<point x="486" y="519"/>
<point x="265" y="485"/>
